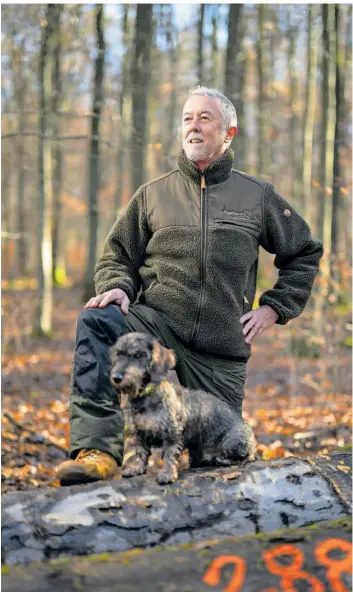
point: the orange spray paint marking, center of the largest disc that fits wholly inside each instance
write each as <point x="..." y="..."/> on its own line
<point x="212" y="576"/>
<point x="335" y="566"/>
<point x="292" y="572"/>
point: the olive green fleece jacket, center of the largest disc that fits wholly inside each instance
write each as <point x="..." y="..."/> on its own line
<point x="190" y="241"/>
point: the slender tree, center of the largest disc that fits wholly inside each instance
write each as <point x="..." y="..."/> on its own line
<point x="200" y="49"/>
<point x="327" y="126"/>
<point x="140" y="74"/>
<point x="213" y="81"/>
<point x="172" y="44"/>
<point x="293" y="100"/>
<point x="43" y="319"/>
<point x="94" y="150"/>
<point x="309" y="112"/>
<point x="57" y="155"/>
<point x="124" y="93"/>
<point x="235" y="74"/>
<point x="338" y="140"/>
<point x="261" y="90"/>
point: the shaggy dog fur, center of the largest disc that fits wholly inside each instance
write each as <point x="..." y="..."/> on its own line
<point x="161" y="415"/>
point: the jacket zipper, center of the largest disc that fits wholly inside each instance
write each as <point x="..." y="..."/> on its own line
<point x="203" y="256"/>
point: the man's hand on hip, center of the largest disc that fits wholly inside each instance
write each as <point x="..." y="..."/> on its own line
<point x="256" y="321"/>
<point x="115" y="296"/>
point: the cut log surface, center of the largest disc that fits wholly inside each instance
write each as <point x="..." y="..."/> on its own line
<point x="126" y="514"/>
<point x="258" y="563"/>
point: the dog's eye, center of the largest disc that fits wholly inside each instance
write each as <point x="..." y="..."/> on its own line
<point x="139" y="354"/>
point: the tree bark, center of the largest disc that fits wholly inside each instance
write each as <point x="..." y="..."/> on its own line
<point x="327" y="128"/>
<point x="43" y="320"/>
<point x="245" y="564"/>
<point x="57" y="156"/>
<point x="93" y="158"/>
<point x="293" y="98"/>
<point x="123" y="514"/>
<point x="140" y="74"/>
<point x="260" y="91"/>
<point x="125" y="90"/>
<point x="235" y="75"/>
<point x="338" y="141"/>
<point x="309" y="114"/>
<point x="213" y="82"/>
<point x="200" y="48"/>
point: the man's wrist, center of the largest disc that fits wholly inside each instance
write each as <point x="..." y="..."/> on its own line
<point x="275" y="314"/>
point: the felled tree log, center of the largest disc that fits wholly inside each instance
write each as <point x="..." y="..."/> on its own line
<point x="255" y="563"/>
<point x="124" y="514"/>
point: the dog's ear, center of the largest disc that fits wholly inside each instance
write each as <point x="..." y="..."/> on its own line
<point x="162" y="360"/>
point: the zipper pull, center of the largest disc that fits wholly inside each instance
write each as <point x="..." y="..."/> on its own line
<point x="203" y="182"/>
<point x="246" y="301"/>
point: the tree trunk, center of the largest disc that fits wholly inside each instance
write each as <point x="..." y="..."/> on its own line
<point x="327" y="127"/>
<point x="200" y="50"/>
<point x="57" y="156"/>
<point x="293" y="98"/>
<point x="248" y="564"/>
<point x="338" y="141"/>
<point x="309" y="115"/>
<point x="213" y="82"/>
<point x="172" y="42"/>
<point x="93" y="157"/>
<point x="235" y="75"/>
<point x="260" y="91"/>
<point x="21" y="228"/>
<point x="43" y="320"/>
<point x="137" y="513"/>
<point x="125" y="89"/>
<point x="140" y="74"/>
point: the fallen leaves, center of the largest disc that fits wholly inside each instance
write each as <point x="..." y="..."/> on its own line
<point x="289" y="416"/>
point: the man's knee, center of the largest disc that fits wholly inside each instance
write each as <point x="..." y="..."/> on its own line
<point x="109" y="316"/>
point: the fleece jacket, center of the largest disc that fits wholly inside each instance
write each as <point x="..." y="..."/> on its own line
<point x="188" y="244"/>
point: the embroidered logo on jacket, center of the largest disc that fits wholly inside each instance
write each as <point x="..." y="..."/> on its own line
<point x="244" y="214"/>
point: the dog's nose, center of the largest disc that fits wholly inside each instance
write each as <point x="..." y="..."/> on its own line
<point x="117" y="376"/>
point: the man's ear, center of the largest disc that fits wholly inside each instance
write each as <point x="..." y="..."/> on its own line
<point x="231" y="133"/>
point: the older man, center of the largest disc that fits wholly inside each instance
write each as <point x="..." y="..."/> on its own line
<point x="180" y="263"/>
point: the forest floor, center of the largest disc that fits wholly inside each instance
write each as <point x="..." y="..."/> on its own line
<point x="296" y="406"/>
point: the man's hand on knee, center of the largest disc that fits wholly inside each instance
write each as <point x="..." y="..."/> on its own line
<point x="115" y="296"/>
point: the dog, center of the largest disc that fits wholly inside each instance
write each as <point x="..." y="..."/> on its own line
<point x="159" y="414"/>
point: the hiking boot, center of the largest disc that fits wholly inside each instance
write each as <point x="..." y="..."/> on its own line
<point x="89" y="465"/>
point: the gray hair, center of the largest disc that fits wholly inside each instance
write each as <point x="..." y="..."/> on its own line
<point x="228" y="109"/>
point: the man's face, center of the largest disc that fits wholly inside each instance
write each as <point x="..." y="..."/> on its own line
<point x="203" y="130"/>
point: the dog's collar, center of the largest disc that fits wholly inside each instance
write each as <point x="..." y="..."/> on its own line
<point x="148" y="390"/>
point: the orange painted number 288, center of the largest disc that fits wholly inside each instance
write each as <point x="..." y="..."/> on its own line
<point x="288" y="573"/>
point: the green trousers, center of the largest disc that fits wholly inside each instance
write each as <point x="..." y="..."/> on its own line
<point x="96" y="421"/>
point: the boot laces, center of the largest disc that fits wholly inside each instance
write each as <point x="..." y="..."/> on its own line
<point x="88" y="453"/>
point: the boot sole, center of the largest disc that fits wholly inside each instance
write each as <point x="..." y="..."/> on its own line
<point x="76" y="477"/>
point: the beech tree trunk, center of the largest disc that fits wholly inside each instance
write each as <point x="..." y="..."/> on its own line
<point x="140" y="74"/>
<point x="247" y="564"/>
<point x="125" y="89"/>
<point x="57" y="156"/>
<point x="200" y="52"/>
<point x="93" y="158"/>
<point x="309" y="115"/>
<point x="43" y="320"/>
<point x="125" y="514"/>
<point x="234" y="75"/>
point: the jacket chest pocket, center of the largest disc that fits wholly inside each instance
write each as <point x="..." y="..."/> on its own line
<point x="249" y="230"/>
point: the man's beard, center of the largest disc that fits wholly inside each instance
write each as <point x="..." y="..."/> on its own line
<point x="199" y="152"/>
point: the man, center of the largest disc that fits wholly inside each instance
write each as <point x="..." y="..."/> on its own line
<point x="188" y="241"/>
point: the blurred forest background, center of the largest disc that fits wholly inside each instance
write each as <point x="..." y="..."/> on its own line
<point x="91" y="108"/>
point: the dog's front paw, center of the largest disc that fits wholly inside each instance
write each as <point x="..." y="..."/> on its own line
<point x="223" y="462"/>
<point x="165" y="477"/>
<point x="134" y="469"/>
